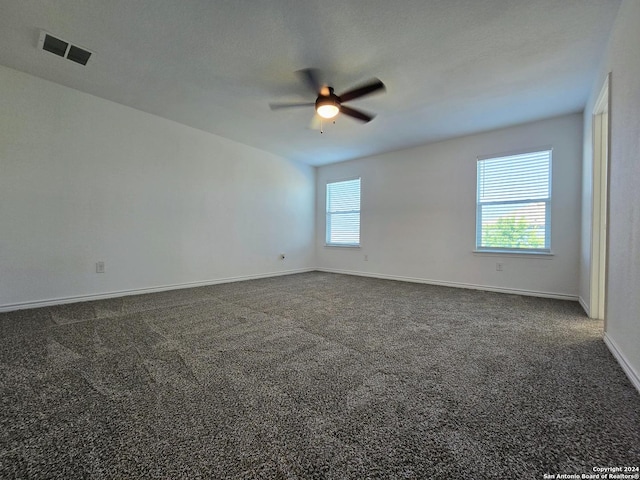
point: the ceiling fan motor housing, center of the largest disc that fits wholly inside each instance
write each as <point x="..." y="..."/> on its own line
<point x="328" y="103"/>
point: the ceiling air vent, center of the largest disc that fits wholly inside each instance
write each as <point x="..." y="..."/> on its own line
<point x="62" y="48"/>
<point x="78" y="55"/>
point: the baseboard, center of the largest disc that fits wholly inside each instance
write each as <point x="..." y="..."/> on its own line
<point x="471" y="286"/>
<point x="584" y="306"/>
<point x="162" y="288"/>
<point x="622" y="360"/>
<point x="137" y="291"/>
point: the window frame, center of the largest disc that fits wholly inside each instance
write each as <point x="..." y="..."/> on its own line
<point x="546" y="250"/>
<point x="328" y="213"/>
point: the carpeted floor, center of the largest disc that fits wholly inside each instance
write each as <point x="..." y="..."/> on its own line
<point x="312" y="376"/>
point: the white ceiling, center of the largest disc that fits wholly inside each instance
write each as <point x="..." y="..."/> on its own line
<point x="451" y="67"/>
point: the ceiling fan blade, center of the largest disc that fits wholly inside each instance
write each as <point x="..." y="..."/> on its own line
<point x="357" y="114"/>
<point x="278" y="106"/>
<point x="311" y="77"/>
<point x="367" y="89"/>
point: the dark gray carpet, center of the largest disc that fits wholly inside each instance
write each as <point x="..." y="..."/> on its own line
<point x="312" y="376"/>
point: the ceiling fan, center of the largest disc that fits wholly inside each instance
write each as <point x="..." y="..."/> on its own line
<point x="328" y="104"/>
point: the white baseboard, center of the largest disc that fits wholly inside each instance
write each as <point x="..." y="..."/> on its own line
<point x="584" y="306"/>
<point x="162" y="288"/>
<point x="137" y="291"/>
<point x="471" y="286"/>
<point x="622" y="360"/>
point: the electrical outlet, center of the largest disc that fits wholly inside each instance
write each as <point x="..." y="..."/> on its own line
<point x="499" y="267"/>
<point x="366" y="258"/>
<point x="99" y="267"/>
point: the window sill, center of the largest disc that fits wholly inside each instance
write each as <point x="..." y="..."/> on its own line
<point x="334" y="245"/>
<point x="510" y="253"/>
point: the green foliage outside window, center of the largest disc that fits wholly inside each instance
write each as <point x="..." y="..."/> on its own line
<point x="512" y="232"/>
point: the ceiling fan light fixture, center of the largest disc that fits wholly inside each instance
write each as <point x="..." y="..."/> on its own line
<point x="327" y="108"/>
<point x="328" y="104"/>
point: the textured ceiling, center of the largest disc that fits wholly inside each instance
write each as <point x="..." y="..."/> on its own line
<point x="451" y="67"/>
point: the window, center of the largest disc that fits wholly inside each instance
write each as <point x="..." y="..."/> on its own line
<point x="513" y="203"/>
<point x="343" y="213"/>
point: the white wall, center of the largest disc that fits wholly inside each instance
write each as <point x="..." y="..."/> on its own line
<point x="83" y="179"/>
<point x="622" y="313"/>
<point x="418" y="213"/>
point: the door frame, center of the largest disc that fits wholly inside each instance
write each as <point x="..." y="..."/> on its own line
<point x="600" y="203"/>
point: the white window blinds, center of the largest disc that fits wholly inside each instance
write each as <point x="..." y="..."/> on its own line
<point x="513" y="202"/>
<point x="343" y="213"/>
